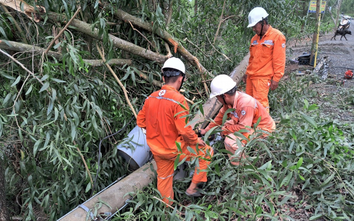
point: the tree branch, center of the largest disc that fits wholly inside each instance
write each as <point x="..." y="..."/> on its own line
<point x="119" y="82"/>
<point x="163" y="34"/>
<point x="221" y="20"/>
<point x="144" y="76"/>
<point x="62" y="31"/>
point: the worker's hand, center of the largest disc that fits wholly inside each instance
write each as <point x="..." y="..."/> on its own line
<point x="201" y="142"/>
<point x="224" y="128"/>
<point x="244" y="78"/>
<point x="273" y="85"/>
<point x="229" y="122"/>
<point x="202" y="131"/>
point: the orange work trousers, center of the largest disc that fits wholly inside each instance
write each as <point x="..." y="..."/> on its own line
<point x="165" y="169"/>
<point x="259" y="89"/>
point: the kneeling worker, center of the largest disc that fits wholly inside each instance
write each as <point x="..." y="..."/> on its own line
<point x="163" y="117"/>
<point x="247" y="111"/>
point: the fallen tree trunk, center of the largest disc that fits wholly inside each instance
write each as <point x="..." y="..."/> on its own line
<point x="120" y="43"/>
<point x="17" y="46"/>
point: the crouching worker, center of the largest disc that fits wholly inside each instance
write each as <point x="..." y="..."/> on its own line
<point x="246" y="112"/>
<point x="163" y="117"/>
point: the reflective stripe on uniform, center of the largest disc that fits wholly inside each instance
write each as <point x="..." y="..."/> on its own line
<point x="164" y="98"/>
<point x="165" y="177"/>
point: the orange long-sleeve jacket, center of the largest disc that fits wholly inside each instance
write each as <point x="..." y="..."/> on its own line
<point x="162" y="116"/>
<point x="247" y="112"/>
<point x="267" y="55"/>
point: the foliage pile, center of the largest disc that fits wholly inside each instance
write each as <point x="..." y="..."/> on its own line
<point x="56" y="107"/>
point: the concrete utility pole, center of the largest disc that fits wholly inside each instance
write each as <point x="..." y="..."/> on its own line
<point x="314" y="47"/>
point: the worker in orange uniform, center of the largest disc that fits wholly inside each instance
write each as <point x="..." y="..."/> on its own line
<point x="247" y="111"/>
<point x="267" y="57"/>
<point x="163" y="117"/>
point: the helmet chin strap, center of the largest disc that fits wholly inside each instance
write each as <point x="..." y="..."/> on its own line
<point x="261" y="34"/>
<point x="182" y="82"/>
<point x="223" y="98"/>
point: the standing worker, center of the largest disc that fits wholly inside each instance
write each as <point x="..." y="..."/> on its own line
<point x="267" y="57"/>
<point x="247" y="111"/>
<point x="163" y="117"/>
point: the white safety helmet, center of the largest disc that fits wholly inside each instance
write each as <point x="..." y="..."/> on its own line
<point x="221" y="84"/>
<point x="174" y="63"/>
<point x="256" y="15"/>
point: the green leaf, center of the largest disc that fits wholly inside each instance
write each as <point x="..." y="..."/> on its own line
<point x="286" y="180"/>
<point x="299" y="163"/>
<point x="35" y="147"/>
<point x="16" y="81"/>
<point x="312" y="107"/>
<point x="224" y="118"/>
<point x="44" y="87"/>
<point x="316" y="217"/>
<point x="209" y="132"/>
<point x="29" y="90"/>
<point x="201" y="109"/>
<point x="58" y="80"/>
<point x="6" y="100"/>
<point x="309" y="120"/>
<point x="266" y="166"/>
<point x="88" y="187"/>
<point x="73" y="131"/>
<point x="191" y="150"/>
<point x="176" y="161"/>
<point x="1" y="126"/>
<point x="178" y="144"/>
<point x="3" y="32"/>
<point x="306" y="104"/>
<point x="7" y="76"/>
<point x="327" y="180"/>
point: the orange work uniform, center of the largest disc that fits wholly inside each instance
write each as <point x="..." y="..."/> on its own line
<point x="247" y="112"/>
<point x="162" y="117"/>
<point x="266" y="62"/>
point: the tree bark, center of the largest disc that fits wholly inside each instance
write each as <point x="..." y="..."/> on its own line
<point x="23" y="7"/>
<point x="120" y="43"/>
<point x="17" y="46"/>
<point x="4" y="216"/>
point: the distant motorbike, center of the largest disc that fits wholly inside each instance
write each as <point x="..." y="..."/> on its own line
<point x="344" y="23"/>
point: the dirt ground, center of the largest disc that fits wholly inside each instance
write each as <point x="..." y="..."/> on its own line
<point x="333" y="91"/>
